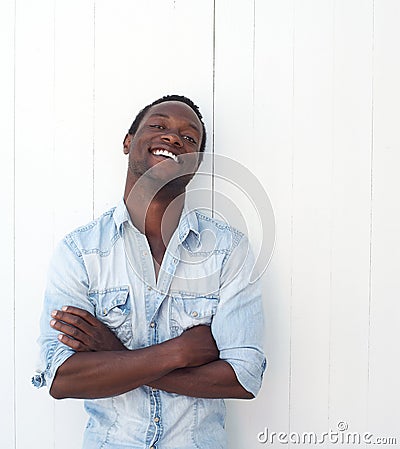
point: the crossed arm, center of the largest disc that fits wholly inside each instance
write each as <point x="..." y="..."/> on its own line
<point x="102" y="366"/>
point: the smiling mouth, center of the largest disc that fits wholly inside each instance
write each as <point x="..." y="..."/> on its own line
<point x="165" y="153"/>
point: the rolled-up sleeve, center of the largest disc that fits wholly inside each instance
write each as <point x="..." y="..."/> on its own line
<point x="238" y="324"/>
<point x="67" y="284"/>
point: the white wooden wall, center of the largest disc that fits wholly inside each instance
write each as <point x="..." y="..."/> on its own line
<point x="306" y="94"/>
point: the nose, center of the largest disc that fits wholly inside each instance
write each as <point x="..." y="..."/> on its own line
<point x="172" y="138"/>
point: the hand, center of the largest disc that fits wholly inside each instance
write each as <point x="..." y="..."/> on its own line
<point x="81" y="331"/>
<point x="198" y="346"/>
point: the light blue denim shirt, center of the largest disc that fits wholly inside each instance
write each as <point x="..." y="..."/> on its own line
<point x="106" y="268"/>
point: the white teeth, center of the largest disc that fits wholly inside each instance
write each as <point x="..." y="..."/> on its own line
<point x="166" y="153"/>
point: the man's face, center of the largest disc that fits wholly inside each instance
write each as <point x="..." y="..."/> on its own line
<point x="170" y="133"/>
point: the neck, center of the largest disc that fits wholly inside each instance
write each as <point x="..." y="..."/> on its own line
<point x="154" y="212"/>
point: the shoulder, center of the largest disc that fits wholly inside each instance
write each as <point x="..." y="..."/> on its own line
<point x="224" y="234"/>
<point x="97" y="236"/>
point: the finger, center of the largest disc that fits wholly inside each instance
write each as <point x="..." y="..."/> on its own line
<point x="82" y="313"/>
<point x="70" y="331"/>
<point x="73" y="320"/>
<point x="73" y="344"/>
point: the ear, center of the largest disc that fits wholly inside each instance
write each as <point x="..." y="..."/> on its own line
<point x="127" y="143"/>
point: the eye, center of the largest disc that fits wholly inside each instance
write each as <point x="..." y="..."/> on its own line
<point x="157" y="126"/>
<point x="190" y="139"/>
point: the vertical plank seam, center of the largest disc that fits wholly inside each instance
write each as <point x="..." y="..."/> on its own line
<point x="371" y="209"/>
<point x="94" y="109"/>
<point x="292" y="218"/>
<point x="331" y="214"/>
<point x="254" y="70"/>
<point x="14" y="242"/>
<point x="54" y="404"/>
<point x="53" y="149"/>
<point x="213" y="121"/>
<point x="54" y="407"/>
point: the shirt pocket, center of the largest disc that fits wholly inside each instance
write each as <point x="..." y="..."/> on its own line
<point x="113" y="308"/>
<point x="187" y="311"/>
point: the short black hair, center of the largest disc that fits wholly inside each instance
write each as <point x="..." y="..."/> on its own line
<point x="165" y="98"/>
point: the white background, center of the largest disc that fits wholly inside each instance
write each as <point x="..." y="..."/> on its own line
<point x="306" y="94"/>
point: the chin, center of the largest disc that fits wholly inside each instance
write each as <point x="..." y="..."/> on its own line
<point x="179" y="183"/>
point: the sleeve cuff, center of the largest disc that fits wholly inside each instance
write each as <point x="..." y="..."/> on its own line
<point x="45" y="377"/>
<point x="249" y="374"/>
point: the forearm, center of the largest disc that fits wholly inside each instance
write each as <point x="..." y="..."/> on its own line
<point x="213" y="380"/>
<point x="90" y="375"/>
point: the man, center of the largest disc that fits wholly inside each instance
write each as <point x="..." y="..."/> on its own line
<point x="149" y="314"/>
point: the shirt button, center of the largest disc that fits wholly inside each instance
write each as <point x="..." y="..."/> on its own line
<point x="152" y="324"/>
<point x="156" y="419"/>
<point x="194" y="314"/>
<point x="144" y="253"/>
<point x="105" y="311"/>
<point x="153" y="389"/>
<point x="175" y="260"/>
<point x="148" y="288"/>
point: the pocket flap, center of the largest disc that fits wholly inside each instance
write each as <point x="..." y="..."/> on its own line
<point x="198" y="308"/>
<point x="110" y="299"/>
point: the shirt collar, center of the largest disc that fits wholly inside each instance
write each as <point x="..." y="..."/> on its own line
<point x="121" y="215"/>
<point x="188" y="226"/>
<point x="188" y="223"/>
